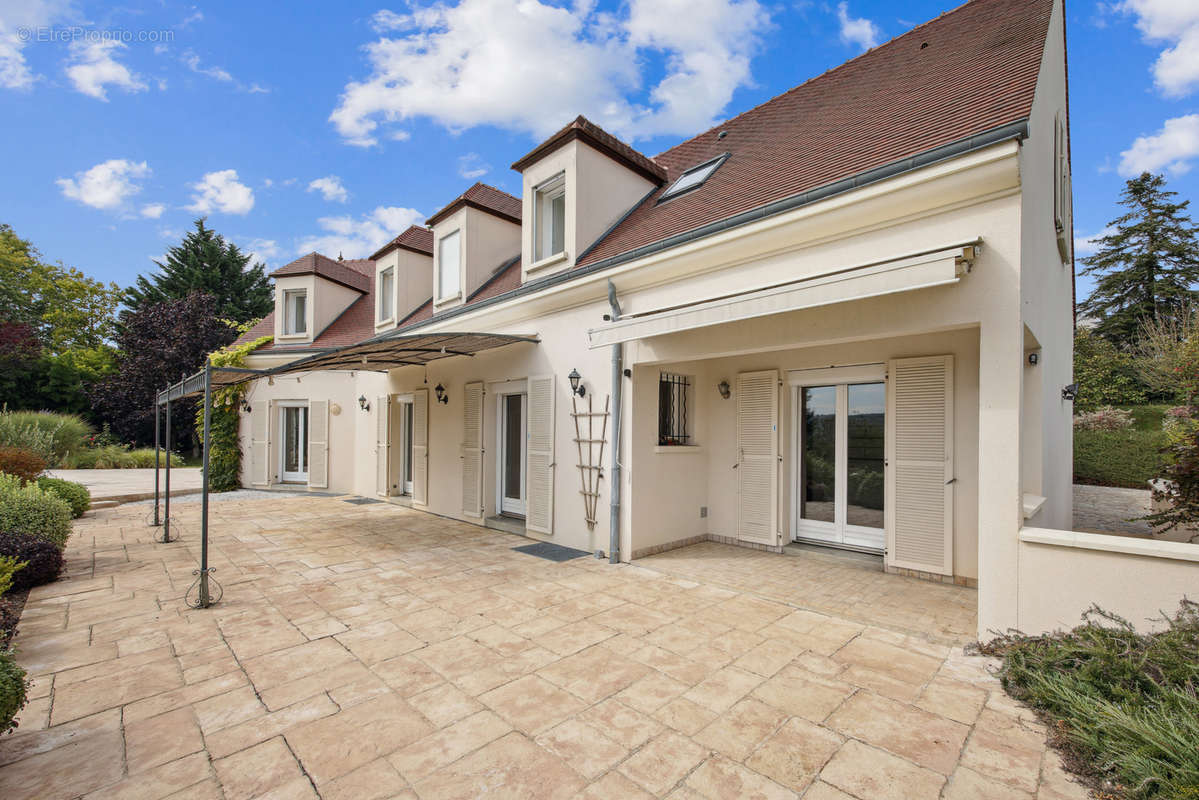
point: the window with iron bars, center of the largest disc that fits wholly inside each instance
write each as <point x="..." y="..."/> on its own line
<point x="674" y="422"/>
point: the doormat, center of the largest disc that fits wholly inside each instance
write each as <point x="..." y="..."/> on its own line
<point x="361" y="501"/>
<point x="551" y="551"/>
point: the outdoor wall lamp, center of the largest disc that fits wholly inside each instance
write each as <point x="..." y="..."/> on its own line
<point x="1034" y="359"/>
<point x="362" y="403"/>
<point x="245" y="406"/>
<point x="442" y="397"/>
<point x="724" y="389"/>
<point x="1070" y="392"/>
<point x="576" y="383"/>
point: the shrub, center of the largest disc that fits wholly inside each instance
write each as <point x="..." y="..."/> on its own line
<point x="9" y="565"/>
<point x="25" y="464"/>
<point x="118" y="457"/>
<point x="1124" y="703"/>
<point x="1129" y="458"/>
<point x="1105" y="418"/>
<point x="32" y="512"/>
<point x="76" y="494"/>
<point x="13" y="687"/>
<point x="1104" y="374"/>
<point x="65" y="433"/>
<point x="43" y="561"/>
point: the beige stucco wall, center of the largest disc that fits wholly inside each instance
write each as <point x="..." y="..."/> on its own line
<point x="326" y="301"/>
<point x="413" y="284"/>
<point x="486" y="243"/>
<point x="598" y="192"/>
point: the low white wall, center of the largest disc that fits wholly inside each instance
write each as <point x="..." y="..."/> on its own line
<point x="1063" y="573"/>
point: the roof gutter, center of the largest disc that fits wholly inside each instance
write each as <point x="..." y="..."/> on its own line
<point x="1017" y="130"/>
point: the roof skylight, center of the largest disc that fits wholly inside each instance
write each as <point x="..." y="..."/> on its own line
<point x="693" y="177"/>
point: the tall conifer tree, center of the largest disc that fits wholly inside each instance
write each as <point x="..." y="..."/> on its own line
<point x="205" y="262"/>
<point x="1147" y="268"/>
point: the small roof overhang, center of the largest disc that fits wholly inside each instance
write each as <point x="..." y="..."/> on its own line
<point x="903" y="274"/>
<point x="380" y="354"/>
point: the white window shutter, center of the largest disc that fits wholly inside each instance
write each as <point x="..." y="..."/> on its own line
<point x="539" y="456"/>
<point x="318" y="444"/>
<point x="260" y="451"/>
<point x="472" y="449"/>
<point x="420" y="447"/>
<point x="382" y="445"/>
<point x="919" y="497"/>
<point x="757" y="462"/>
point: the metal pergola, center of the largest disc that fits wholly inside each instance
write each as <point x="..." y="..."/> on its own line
<point x="379" y="354"/>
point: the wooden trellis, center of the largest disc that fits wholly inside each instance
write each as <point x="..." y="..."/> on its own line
<point x="591" y="453"/>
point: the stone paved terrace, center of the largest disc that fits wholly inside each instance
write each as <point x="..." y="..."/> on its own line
<point x="371" y="651"/>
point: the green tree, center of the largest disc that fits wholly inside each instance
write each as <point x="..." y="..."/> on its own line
<point x="206" y="262"/>
<point x="1146" y="269"/>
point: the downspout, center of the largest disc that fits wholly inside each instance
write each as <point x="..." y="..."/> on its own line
<point x="617" y="386"/>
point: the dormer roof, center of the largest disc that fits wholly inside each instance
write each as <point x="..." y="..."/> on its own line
<point x="484" y="198"/>
<point x="352" y="273"/>
<point x="416" y="239"/>
<point x="595" y="136"/>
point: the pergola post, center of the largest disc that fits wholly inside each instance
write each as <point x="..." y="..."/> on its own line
<point x="157" y="420"/>
<point x="166" y="517"/>
<point x="204" y="599"/>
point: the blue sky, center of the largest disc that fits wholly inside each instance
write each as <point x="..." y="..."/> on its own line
<point x="333" y="126"/>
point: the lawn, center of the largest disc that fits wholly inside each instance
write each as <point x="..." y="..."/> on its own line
<point x="1129" y="458"/>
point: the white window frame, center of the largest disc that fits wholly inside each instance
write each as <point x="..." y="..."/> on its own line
<point x="290" y="318"/>
<point x="544" y="196"/>
<point x="281" y="407"/>
<point x="501" y="391"/>
<point x="442" y="296"/>
<point x="838" y="533"/>
<point x="404" y="407"/>
<point x="385" y="311"/>
<point x="689" y="403"/>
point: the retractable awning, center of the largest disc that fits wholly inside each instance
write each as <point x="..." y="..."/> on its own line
<point x="918" y="271"/>
<point x="379" y="354"/>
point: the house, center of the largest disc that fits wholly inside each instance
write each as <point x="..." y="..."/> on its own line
<point x="842" y="317"/>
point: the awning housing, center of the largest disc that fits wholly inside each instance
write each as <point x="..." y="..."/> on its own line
<point x="919" y="271"/>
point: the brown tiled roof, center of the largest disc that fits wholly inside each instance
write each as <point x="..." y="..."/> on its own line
<point x="423" y="312"/>
<point x="484" y="198"/>
<point x="582" y="128"/>
<point x="505" y="278"/>
<point x="351" y="272"/>
<point x="416" y="239"/>
<point x="969" y="70"/>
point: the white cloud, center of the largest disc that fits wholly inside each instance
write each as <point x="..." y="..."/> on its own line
<point x="530" y="66"/>
<point x="153" y="210"/>
<point x="192" y="61"/>
<point x="1174" y="23"/>
<point x="25" y="15"/>
<point x="1088" y="245"/>
<point x="107" y="185"/>
<point x="264" y="250"/>
<point x="857" y="30"/>
<point x="358" y="238"/>
<point x="1172" y="148"/>
<point x="92" y="67"/>
<point x="331" y="188"/>
<point x="472" y="166"/>
<point x="222" y="191"/>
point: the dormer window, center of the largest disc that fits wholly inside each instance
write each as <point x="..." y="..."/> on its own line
<point x="295" y="312"/>
<point x="386" y="292"/>
<point x="449" y="265"/>
<point x="549" y="217"/>
<point x="693" y="178"/>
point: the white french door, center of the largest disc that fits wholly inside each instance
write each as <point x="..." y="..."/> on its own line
<point x="406" y="445"/>
<point x="293" y="455"/>
<point x="510" y="469"/>
<point x="840" y="456"/>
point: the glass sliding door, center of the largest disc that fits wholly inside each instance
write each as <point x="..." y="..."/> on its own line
<point x="840" y="462"/>
<point x="293" y="422"/>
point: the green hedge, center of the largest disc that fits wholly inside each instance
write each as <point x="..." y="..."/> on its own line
<point x="1129" y="458"/>
<point x="13" y="687"/>
<point x="33" y="512"/>
<point x="76" y="494"/>
<point x="114" y="456"/>
<point x="59" y="433"/>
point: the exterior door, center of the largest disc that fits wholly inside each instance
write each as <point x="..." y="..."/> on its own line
<point x="840" y="470"/>
<point x="406" y="446"/>
<point x="293" y="423"/>
<point x="513" y="434"/>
